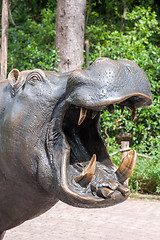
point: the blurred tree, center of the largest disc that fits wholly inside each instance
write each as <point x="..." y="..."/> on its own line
<point x="69" y="39"/>
<point x="4" y="38"/>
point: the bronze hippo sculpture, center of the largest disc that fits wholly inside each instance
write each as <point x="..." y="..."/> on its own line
<point x="50" y="139"/>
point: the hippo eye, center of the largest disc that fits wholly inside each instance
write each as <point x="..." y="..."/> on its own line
<point x="35" y="76"/>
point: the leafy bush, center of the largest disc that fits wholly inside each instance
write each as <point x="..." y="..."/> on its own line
<point x="146" y="177"/>
<point x="32" y="44"/>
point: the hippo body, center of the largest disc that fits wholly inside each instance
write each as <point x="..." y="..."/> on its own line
<point x="22" y="197"/>
<point x="50" y="141"/>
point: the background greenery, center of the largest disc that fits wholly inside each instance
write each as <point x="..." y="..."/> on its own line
<point x="140" y="42"/>
<point x="31" y="45"/>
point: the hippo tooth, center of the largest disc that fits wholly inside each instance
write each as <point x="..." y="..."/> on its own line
<point x="133" y="114"/>
<point x="86" y="175"/>
<point x="133" y="110"/>
<point x="104" y="192"/>
<point x="94" y="114"/>
<point x="111" y="108"/>
<point x="82" y="115"/>
<point x="124" y="190"/>
<point x="94" y="188"/>
<point x="127" y="166"/>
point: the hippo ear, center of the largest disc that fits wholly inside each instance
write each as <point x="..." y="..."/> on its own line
<point x="15" y="79"/>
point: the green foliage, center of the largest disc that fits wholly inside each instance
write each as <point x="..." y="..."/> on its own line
<point x="146" y="176"/>
<point x="31" y="44"/>
<point x="138" y="42"/>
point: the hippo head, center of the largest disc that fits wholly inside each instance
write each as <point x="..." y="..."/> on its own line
<point x="53" y="131"/>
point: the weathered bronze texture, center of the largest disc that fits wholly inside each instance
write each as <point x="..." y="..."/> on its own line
<point x="50" y="140"/>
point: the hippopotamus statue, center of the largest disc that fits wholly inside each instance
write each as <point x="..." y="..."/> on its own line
<point x="51" y="146"/>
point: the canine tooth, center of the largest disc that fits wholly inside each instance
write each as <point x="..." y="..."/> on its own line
<point x="104" y="192"/>
<point x="111" y="108"/>
<point x="133" y="114"/>
<point x="133" y="110"/>
<point x="82" y="115"/>
<point x="127" y="166"/>
<point x="86" y="175"/>
<point x="94" y="114"/>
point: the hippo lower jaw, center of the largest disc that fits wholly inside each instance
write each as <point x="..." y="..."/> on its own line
<point x="87" y="176"/>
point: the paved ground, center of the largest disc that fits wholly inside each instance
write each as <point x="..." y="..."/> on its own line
<point x="131" y="220"/>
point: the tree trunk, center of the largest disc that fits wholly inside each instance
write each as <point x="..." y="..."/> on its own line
<point x="4" y="38"/>
<point x="124" y="14"/>
<point x="69" y="40"/>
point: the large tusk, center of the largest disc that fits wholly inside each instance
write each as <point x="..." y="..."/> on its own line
<point x="82" y="115"/>
<point x="127" y="166"/>
<point x="86" y="176"/>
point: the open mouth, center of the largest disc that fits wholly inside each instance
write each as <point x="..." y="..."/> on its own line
<point x="89" y="173"/>
<point x="86" y="175"/>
